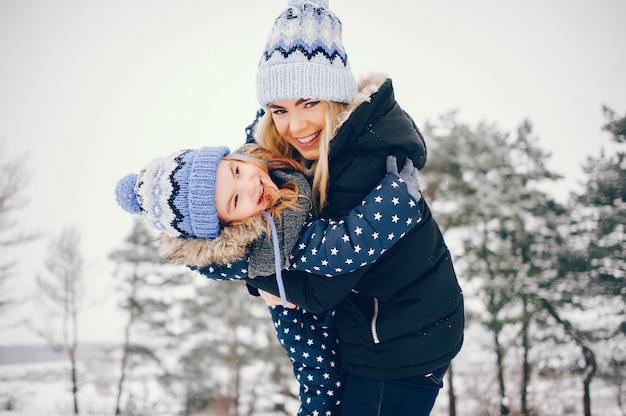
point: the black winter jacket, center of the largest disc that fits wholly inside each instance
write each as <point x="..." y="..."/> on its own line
<point x="403" y="315"/>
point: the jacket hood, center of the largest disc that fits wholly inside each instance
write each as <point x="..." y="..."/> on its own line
<point x="367" y="86"/>
<point x="374" y="113"/>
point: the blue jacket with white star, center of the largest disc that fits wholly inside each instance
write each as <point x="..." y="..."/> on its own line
<point x="402" y="315"/>
<point x="331" y="247"/>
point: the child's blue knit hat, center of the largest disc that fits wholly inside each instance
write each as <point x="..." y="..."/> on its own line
<point x="304" y="57"/>
<point x="176" y="194"/>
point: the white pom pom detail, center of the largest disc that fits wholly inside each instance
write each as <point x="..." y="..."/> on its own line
<point x="300" y="3"/>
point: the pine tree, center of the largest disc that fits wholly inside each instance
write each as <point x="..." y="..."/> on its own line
<point x="234" y="352"/>
<point x="141" y="279"/>
<point x="605" y="194"/>
<point x="487" y="187"/>
<point x="597" y="259"/>
<point x="214" y="344"/>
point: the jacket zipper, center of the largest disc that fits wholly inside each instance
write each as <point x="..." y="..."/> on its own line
<point x="374" y="319"/>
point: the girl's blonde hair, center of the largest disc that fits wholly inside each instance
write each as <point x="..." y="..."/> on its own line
<point x="287" y="195"/>
<point x="267" y="137"/>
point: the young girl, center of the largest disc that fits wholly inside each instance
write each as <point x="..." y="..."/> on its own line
<point x="210" y="205"/>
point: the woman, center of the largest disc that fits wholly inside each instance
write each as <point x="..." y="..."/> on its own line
<point x="399" y="320"/>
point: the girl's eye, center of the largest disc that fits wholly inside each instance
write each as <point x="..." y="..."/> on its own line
<point x="278" y="112"/>
<point x="311" y="104"/>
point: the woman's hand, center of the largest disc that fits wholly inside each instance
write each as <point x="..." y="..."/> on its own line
<point x="272" y="300"/>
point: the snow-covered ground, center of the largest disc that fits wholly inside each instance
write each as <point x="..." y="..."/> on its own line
<point x="37" y="383"/>
<point x="42" y="388"/>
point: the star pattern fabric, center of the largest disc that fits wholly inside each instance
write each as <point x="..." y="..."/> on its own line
<point x="312" y="346"/>
<point x="333" y="247"/>
<point x="230" y="271"/>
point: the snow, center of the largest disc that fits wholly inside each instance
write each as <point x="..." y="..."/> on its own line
<point x="43" y="388"/>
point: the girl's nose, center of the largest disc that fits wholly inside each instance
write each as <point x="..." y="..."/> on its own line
<point x="249" y="186"/>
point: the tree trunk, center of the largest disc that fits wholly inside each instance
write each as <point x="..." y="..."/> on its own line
<point x="451" y="394"/>
<point x="590" y="363"/>
<point x="504" y="410"/>
<point x="525" y="363"/>
<point x="120" y="382"/>
<point x="590" y="358"/>
<point x="72" y="355"/>
<point x="235" y="365"/>
<point x="132" y="315"/>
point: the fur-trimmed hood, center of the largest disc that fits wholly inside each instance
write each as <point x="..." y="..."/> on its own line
<point x="366" y="87"/>
<point x="369" y="114"/>
<point x="230" y="246"/>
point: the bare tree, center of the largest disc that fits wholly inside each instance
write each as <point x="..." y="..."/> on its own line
<point x="13" y="179"/>
<point x="61" y="292"/>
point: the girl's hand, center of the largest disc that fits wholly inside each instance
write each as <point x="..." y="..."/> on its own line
<point x="272" y="300"/>
<point x="408" y="174"/>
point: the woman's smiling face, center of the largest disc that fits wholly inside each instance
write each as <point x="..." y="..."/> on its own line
<point x="301" y="123"/>
<point x="242" y="190"/>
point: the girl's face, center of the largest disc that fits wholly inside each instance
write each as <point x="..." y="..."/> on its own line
<point x="301" y="123"/>
<point x="242" y="190"/>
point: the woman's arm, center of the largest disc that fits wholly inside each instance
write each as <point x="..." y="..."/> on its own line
<point x="311" y="292"/>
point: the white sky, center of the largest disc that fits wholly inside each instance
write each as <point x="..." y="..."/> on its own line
<point x="94" y="90"/>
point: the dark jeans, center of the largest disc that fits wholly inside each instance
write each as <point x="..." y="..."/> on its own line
<point x="411" y="396"/>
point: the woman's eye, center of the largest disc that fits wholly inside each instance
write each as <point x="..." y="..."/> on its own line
<point x="311" y="104"/>
<point x="278" y="112"/>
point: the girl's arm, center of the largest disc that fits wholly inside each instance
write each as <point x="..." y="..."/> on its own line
<point x="333" y="247"/>
<point x="231" y="271"/>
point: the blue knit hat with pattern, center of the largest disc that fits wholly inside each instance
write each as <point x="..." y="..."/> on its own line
<point x="304" y="57"/>
<point x="176" y="194"/>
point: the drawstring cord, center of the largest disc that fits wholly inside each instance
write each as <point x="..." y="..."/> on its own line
<point x="279" y="276"/>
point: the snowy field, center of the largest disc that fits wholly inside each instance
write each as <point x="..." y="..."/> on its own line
<point x="37" y="384"/>
<point x="41" y="387"/>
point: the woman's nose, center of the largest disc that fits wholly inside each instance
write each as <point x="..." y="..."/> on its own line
<point x="296" y="125"/>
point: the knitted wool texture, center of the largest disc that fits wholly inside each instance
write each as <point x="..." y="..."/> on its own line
<point x="304" y="57"/>
<point x="176" y="194"/>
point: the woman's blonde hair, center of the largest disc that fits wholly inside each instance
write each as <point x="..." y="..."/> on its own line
<point x="287" y="195"/>
<point x="267" y="137"/>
